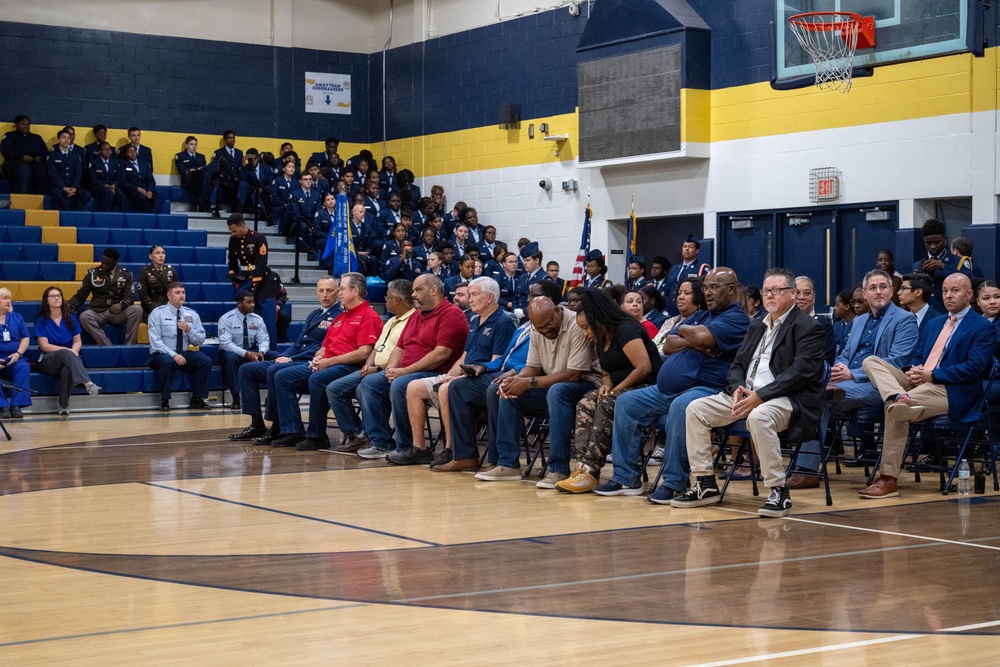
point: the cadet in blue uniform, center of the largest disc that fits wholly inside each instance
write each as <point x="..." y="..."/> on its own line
<point x="533" y="273"/>
<point x="938" y="263"/>
<point x="636" y="274"/>
<point x="24" y="157"/>
<point x="689" y="266"/>
<point x="142" y="153"/>
<point x="283" y="189"/>
<point x="173" y="331"/>
<point x="91" y="151"/>
<point x="248" y="270"/>
<point x="139" y="184"/>
<point x="225" y="171"/>
<point x="194" y="174"/>
<point x="104" y="179"/>
<point x="302" y="211"/>
<point x="596" y="270"/>
<point x="257" y="179"/>
<point x="242" y="338"/>
<point x="329" y="155"/>
<point x="66" y="176"/>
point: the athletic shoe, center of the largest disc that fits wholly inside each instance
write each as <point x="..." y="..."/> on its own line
<point x="778" y="504"/>
<point x="705" y="491"/>
<point x="663" y="495"/>
<point x="613" y="488"/>
<point x="372" y="453"/>
<point x="500" y="474"/>
<point x="551" y="479"/>
<point x="581" y="481"/>
<point x="93" y="389"/>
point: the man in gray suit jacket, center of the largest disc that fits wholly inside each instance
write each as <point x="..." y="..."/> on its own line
<point x="885" y="331"/>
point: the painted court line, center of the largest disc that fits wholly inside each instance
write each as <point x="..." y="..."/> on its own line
<point x="840" y="647"/>
<point x="188" y="624"/>
<point x="292" y="514"/>
<point x="875" y="530"/>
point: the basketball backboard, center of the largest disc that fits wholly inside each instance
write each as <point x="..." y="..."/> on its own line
<point x="904" y="30"/>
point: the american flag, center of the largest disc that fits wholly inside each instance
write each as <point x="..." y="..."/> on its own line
<point x="630" y="239"/>
<point x="581" y="256"/>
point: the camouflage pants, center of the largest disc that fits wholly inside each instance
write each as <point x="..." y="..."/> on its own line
<point x="594" y="419"/>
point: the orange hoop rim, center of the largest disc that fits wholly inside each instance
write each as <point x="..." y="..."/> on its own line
<point x="800" y="20"/>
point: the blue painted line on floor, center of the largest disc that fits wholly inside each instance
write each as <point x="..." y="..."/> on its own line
<point x="188" y="624"/>
<point x="292" y="514"/>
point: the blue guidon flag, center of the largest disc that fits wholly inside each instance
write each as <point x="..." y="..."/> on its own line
<point x="340" y="245"/>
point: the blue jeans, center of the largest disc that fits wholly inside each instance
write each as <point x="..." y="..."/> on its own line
<point x="633" y="410"/>
<point x="373" y="397"/>
<point x="340" y="394"/>
<point x="290" y="382"/>
<point x="464" y="395"/>
<point x="559" y="401"/>
<point x="400" y="416"/>
<point x="676" y="470"/>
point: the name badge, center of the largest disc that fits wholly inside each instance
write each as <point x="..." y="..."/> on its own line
<point x="380" y="348"/>
<point x="6" y="336"/>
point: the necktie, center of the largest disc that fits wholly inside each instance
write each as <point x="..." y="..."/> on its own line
<point x="231" y="153"/>
<point x="135" y="165"/>
<point x="180" y="334"/>
<point x="246" y="335"/>
<point x="935" y="356"/>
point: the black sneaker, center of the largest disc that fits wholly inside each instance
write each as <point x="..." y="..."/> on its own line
<point x="249" y="433"/>
<point x="443" y="457"/>
<point x="164" y="405"/>
<point x="236" y="405"/>
<point x="199" y="404"/>
<point x="289" y="440"/>
<point x="15" y="412"/>
<point x="778" y="504"/>
<point x="409" y="457"/>
<point x="705" y="491"/>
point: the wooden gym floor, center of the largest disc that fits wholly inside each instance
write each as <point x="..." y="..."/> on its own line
<point x="144" y="538"/>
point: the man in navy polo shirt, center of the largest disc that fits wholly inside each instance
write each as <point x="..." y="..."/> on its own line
<point x="700" y="352"/>
<point x="490" y="332"/>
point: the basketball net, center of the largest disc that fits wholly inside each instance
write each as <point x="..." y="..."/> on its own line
<point x="831" y="38"/>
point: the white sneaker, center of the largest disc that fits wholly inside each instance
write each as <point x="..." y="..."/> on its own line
<point x="550" y="480"/>
<point x="500" y="474"/>
<point x="372" y="453"/>
<point x="93" y="389"/>
<point x="64" y="412"/>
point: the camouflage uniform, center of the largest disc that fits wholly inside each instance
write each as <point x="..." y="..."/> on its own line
<point x="107" y="289"/>
<point x="594" y="419"/>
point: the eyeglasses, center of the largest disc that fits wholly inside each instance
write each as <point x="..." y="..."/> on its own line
<point x="715" y="286"/>
<point x="775" y="291"/>
<point x="881" y="287"/>
<point x="906" y="288"/>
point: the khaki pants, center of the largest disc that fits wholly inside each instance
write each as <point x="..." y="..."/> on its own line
<point x="889" y="380"/>
<point x="130" y="316"/>
<point x="764" y="423"/>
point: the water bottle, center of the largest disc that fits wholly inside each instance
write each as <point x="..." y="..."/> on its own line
<point x="964" y="478"/>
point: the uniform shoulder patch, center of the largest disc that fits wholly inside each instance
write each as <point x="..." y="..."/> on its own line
<point x="263" y="250"/>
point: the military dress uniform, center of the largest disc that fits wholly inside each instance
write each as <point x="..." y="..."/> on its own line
<point x="195" y="177"/>
<point x="66" y="171"/>
<point x="152" y="287"/>
<point x="105" y="290"/>
<point x="248" y="270"/>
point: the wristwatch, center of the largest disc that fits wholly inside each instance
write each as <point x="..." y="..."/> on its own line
<point x="533" y="383"/>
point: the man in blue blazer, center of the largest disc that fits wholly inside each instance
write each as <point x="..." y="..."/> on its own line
<point x="65" y="167"/>
<point x="886" y="331"/>
<point x="947" y="378"/>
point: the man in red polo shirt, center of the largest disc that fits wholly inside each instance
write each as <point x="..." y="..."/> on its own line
<point x="347" y="344"/>
<point x="434" y="338"/>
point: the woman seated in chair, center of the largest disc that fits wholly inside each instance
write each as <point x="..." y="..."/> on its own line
<point x="58" y="335"/>
<point x="628" y="361"/>
<point x="13" y="368"/>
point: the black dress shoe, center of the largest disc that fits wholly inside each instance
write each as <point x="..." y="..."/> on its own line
<point x="4" y="413"/>
<point x="15" y="412"/>
<point x="269" y="435"/>
<point x="236" y="404"/>
<point x="409" y="457"/>
<point x="199" y="404"/>
<point x="289" y="440"/>
<point x="164" y="405"/>
<point x="312" y="444"/>
<point x="249" y="433"/>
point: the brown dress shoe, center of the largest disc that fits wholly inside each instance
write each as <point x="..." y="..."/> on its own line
<point x="883" y="487"/>
<point x="461" y="465"/>
<point x="800" y="481"/>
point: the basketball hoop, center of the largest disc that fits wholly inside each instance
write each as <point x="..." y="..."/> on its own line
<point x="831" y="39"/>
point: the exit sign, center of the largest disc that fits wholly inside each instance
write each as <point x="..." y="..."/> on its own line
<point x="824" y="185"/>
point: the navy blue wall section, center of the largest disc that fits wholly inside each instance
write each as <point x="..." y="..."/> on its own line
<point x="460" y="81"/>
<point x="83" y="77"/>
<point x="453" y="82"/>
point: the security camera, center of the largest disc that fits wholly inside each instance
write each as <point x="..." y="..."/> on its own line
<point x="574" y="9"/>
<point x="545" y="184"/>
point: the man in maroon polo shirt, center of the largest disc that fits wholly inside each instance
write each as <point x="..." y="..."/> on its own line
<point x="433" y="339"/>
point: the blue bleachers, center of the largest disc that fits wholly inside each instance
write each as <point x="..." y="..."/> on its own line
<point x="11" y="217"/>
<point x="199" y="272"/>
<point x="16" y="234"/>
<point x="109" y="220"/>
<point x="38" y="252"/>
